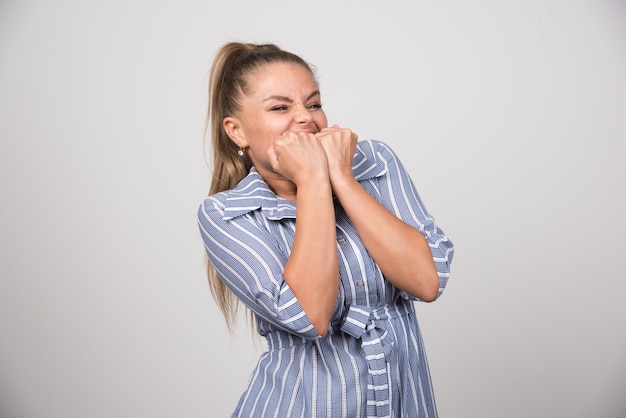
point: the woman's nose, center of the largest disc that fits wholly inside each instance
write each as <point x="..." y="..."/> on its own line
<point x="303" y="115"/>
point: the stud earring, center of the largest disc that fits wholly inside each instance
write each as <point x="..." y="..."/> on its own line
<point x="240" y="152"/>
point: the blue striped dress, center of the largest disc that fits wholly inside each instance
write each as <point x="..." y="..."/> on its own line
<point x="372" y="362"/>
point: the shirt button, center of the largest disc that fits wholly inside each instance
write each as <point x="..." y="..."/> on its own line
<point x="341" y="240"/>
<point x="359" y="283"/>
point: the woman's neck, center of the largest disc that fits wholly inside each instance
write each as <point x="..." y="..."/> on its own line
<point x="280" y="185"/>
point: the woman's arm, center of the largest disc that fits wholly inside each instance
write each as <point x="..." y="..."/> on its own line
<point x="249" y="253"/>
<point x="400" y="250"/>
<point x="312" y="270"/>
<point x="405" y="255"/>
<point x="295" y="288"/>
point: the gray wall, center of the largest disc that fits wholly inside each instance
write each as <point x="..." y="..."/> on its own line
<point x="509" y="115"/>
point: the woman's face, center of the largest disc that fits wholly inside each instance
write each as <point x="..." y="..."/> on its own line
<point x="282" y="97"/>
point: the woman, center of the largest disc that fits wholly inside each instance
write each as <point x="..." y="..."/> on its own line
<point x="324" y="239"/>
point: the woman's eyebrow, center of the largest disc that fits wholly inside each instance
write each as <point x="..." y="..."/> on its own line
<point x="287" y="99"/>
<point x="279" y="98"/>
<point x="315" y="93"/>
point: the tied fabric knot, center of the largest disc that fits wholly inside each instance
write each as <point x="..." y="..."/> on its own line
<point x="359" y="323"/>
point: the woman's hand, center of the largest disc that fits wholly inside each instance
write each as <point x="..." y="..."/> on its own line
<point x="339" y="145"/>
<point x="299" y="157"/>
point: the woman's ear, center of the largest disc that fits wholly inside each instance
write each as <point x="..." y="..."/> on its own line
<point x="233" y="129"/>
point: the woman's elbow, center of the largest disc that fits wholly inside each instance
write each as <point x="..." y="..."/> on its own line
<point x="319" y="318"/>
<point x="430" y="296"/>
<point x="321" y="324"/>
<point x="429" y="290"/>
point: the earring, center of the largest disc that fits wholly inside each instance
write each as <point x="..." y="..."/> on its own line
<point x="240" y="152"/>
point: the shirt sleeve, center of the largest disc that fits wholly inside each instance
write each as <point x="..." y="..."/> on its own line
<point x="250" y="263"/>
<point x="399" y="195"/>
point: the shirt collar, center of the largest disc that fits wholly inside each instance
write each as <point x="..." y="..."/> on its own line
<point x="253" y="193"/>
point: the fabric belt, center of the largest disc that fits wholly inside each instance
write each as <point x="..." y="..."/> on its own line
<point x="377" y="346"/>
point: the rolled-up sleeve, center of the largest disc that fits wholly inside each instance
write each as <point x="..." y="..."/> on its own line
<point x="250" y="262"/>
<point x="399" y="195"/>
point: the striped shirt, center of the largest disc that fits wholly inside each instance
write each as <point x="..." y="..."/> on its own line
<point x="371" y="363"/>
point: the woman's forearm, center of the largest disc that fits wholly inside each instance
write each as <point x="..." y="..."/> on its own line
<point x="312" y="270"/>
<point x="400" y="250"/>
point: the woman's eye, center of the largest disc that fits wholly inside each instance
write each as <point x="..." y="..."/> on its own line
<point x="315" y="106"/>
<point x="279" y="108"/>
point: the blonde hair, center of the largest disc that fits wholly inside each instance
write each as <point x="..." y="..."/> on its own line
<point x="228" y="81"/>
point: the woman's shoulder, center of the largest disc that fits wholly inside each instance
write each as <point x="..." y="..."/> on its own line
<point x="373" y="146"/>
<point x="375" y="150"/>
<point x="250" y="185"/>
<point x="251" y="193"/>
<point x="213" y="203"/>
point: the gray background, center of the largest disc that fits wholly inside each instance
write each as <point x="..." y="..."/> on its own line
<point x="510" y="117"/>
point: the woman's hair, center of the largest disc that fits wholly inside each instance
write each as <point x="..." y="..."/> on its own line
<point x="228" y="82"/>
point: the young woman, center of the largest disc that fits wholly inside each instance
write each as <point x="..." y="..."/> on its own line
<point x="324" y="239"/>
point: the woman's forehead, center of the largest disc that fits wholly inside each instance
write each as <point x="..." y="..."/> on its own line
<point x="280" y="76"/>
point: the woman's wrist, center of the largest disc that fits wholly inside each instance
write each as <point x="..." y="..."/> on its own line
<point x="343" y="182"/>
